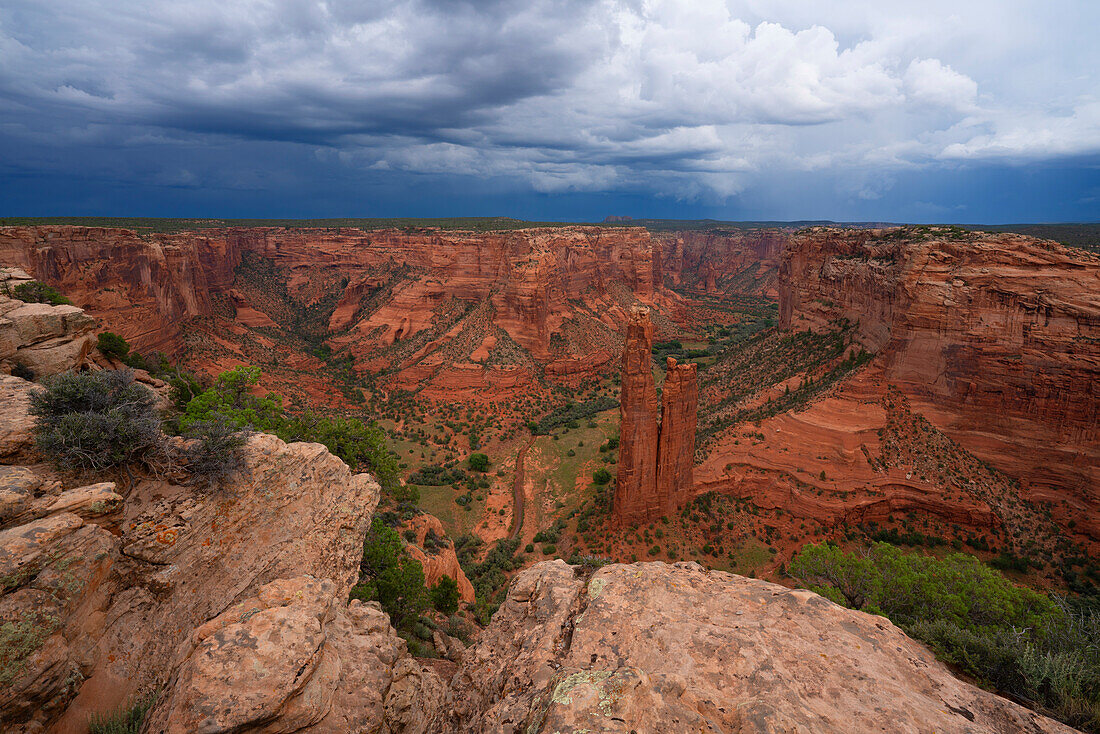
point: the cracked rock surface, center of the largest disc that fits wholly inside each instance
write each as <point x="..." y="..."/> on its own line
<point x="652" y="647"/>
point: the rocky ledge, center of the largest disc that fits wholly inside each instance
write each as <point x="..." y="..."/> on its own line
<point x="651" y="647"/>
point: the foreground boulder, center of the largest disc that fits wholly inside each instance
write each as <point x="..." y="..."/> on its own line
<point x="39" y="337"/>
<point x="651" y="647"/>
<point x="232" y="602"/>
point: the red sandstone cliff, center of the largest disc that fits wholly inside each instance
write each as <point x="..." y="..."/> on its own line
<point x="446" y="308"/>
<point x="726" y="261"/>
<point x="655" y="461"/>
<point x="995" y="337"/>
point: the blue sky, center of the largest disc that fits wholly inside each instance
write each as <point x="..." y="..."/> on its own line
<point x="980" y="112"/>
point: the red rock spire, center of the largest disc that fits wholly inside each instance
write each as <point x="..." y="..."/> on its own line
<point x="655" y="462"/>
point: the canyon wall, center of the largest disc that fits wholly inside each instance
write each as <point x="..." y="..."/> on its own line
<point x="559" y="295"/>
<point x="996" y="338"/>
<point x="655" y="460"/>
<point x="729" y="262"/>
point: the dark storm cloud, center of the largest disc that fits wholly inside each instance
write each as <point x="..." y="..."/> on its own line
<point x="701" y="101"/>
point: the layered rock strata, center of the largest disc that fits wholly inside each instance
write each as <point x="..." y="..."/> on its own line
<point x="636" y="483"/>
<point x="996" y="338"/>
<point x="39" y="337"/>
<point x="676" y="443"/>
<point x="655" y="459"/>
<point x="447" y="309"/>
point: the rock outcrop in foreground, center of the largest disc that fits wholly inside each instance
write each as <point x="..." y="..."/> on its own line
<point x="231" y="602"/>
<point x="651" y="647"/>
<point x="655" y="460"/>
<point x="39" y="337"/>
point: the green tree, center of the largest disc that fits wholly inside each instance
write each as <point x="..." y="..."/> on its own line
<point x="479" y="462"/>
<point x="390" y="577"/>
<point x="445" y="595"/>
<point x="230" y="398"/>
<point x="601" y="476"/>
<point x="113" y="345"/>
<point x="34" y="292"/>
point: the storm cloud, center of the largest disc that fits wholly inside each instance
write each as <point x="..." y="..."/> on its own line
<point x="858" y="110"/>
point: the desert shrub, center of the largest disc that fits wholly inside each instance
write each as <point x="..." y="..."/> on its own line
<point x="95" y="420"/>
<point x="601" y="476"/>
<point x="34" y="292"/>
<point x="389" y="576"/>
<point x="1035" y="647"/>
<point x="445" y="595"/>
<point x="568" y="414"/>
<point x="362" y="446"/>
<point x="215" y="456"/>
<point x="479" y="462"/>
<point x="127" y="719"/>
<point x="113" y="345"/>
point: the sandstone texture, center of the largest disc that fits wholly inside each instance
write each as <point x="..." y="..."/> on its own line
<point x="652" y="647"/>
<point x="996" y="338"/>
<point x="39" y="337"/>
<point x="655" y="460"/>
<point x="440" y="560"/>
<point x="676" y="444"/>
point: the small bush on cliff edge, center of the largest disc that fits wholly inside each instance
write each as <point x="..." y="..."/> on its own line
<point x="112" y="345"/>
<point x="95" y="420"/>
<point x="361" y="445"/>
<point x="216" y="455"/>
<point x="34" y="292"/>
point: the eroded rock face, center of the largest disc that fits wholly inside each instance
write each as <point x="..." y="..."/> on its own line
<point x="16" y="423"/>
<point x="995" y="337"/>
<point x="636" y="485"/>
<point x="655" y="461"/>
<point x="730" y="262"/>
<point x="439" y="561"/>
<point x="295" y="657"/>
<point x="525" y="285"/>
<point x="676" y="447"/>
<point x="652" y="647"/>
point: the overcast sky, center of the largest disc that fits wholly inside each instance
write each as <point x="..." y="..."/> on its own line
<point x="937" y="110"/>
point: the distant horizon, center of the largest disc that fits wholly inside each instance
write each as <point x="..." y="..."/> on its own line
<point x="631" y="221"/>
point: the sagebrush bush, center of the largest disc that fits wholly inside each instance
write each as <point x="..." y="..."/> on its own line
<point x="95" y="420"/>
<point x="215" y="456"/>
